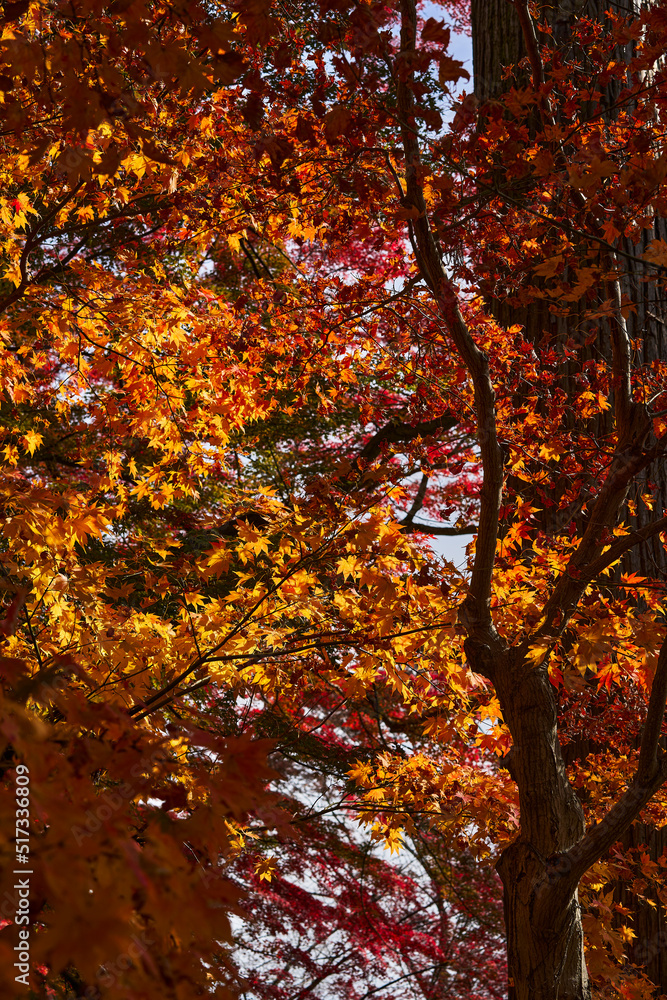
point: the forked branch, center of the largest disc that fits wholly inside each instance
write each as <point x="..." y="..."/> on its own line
<point x="589" y="558"/>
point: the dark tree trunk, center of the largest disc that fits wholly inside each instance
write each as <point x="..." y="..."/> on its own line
<point x="544" y="931"/>
<point x="497" y="42"/>
<point x="649" y="947"/>
<point x="544" y="942"/>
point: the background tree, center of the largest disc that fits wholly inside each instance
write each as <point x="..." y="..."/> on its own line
<point x="499" y="45"/>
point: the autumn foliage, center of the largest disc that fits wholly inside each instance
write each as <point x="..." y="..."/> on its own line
<point x="282" y="301"/>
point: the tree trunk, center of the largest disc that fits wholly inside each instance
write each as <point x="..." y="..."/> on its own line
<point x="545" y="952"/>
<point x="497" y="42"/>
<point x="544" y="930"/>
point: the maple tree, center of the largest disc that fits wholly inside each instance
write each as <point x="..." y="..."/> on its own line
<point x="337" y="920"/>
<point x="276" y="297"/>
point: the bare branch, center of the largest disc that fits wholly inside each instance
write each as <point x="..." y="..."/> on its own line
<point x="417" y="504"/>
<point x="439" y="529"/>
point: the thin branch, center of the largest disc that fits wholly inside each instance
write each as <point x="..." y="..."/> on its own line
<point x="622" y="546"/>
<point x="418" y="502"/>
<point x="198" y="661"/>
<point x="399" y="979"/>
<point x="30" y="244"/>
<point x="202" y="682"/>
<point x="439" y="529"/>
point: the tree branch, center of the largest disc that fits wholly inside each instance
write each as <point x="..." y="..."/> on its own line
<point x="622" y="546"/>
<point x="477" y="611"/>
<point x="417" y="504"/>
<point x="588" y="559"/>
<point x="438" y="529"/>
<point x="650" y="775"/>
<point x="530" y="40"/>
<point x="394" y="432"/>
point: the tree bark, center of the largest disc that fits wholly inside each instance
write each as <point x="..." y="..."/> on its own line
<point x="545" y="952"/>
<point x="542" y="869"/>
<point x="544" y="931"/>
<point x="497" y="42"/>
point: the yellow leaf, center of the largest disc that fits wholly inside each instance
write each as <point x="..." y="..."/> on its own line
<point x="538" y="651"/>
<point x="551" y="451"/>
<point x="265" y="868"/>
<point x="350" y="566"/>
<point x="32" y="441"/>
<point x="548" y="268"/>
<point x="13" y="274"/>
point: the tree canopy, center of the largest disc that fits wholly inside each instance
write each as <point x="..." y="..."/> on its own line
<point x="284" y="296"/>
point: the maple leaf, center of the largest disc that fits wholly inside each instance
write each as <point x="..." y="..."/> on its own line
<point x="33" y="440"/>
<point x="265" y="867"/>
